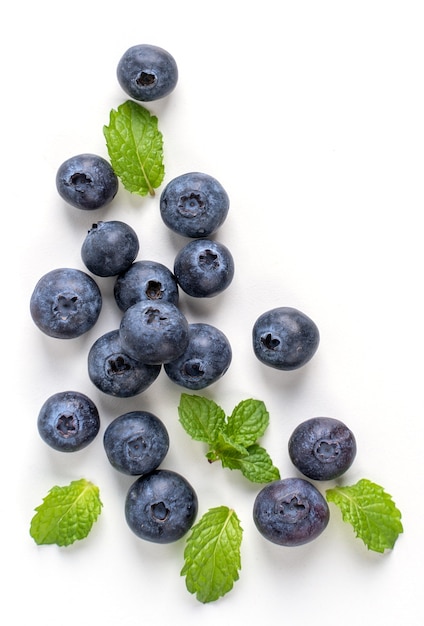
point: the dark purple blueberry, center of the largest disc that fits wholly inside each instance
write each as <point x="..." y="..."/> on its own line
<point x="284" y="338"/>
<point x="290" y="512"/>
<point x="68" y="421"/>
<point x="65" y="303"/>
<point x="322" y="448"/>
<point x="87" y="181"/>
<point x="136" y="442"/>
<point x="204" y="268"/>
<point x="109" y="248"/>
<point x="147" y="72"/>
<point x="114" y="372"/>
<point x="161" y="506"/>
<point x="145" y="280"/>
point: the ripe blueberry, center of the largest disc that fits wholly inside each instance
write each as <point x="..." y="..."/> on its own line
<point x="161" y="506"/>
<point x="87" y="181"/>
<point x="147" y="72"/>
<point x="68" y="421"/>
<point x="194" y="205"/>
<point x="322" y="448"/>
<point x="136" y="442"/>
<point x="145" y="280"/>
<point x="284" y="338"/>
<point x="290" y="512"/>
<point x="109" y="248"/>
<point x="65" y="303"/>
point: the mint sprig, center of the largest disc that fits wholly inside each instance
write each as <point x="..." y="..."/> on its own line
<point x="67" y="513"/>
<point x="371" y="511"/>
<point x="233" y="439"/>
<point x="212" y="554"/>
<point x="135" y="147"/>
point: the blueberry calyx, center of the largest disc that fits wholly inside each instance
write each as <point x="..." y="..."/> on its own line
<point x="326" y="450"/>
<point x="192" y="205"/>
<point x="159" y="511"/>
<point x="67" y="425"/>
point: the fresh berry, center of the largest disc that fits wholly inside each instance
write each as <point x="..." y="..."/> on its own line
<point x="145" y="280"/>
<point x="147" y="72"/>
<point x="109" y="248"/>
<point x="87" y="181"/>
<point x="204" y="268"/>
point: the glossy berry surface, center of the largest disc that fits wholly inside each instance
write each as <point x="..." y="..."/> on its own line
<point x="68" y="421"/>
<point x="285" y="338"/>
<point x="205" y="360"/>
<point x="65" y="303"/>
<point x="161" y="506"/>
<point x="145" y="280"/>
<point x="147" y="72"/>
<point x="322" y="448"/>
<point x="115" y="373"/>
<point x="136" y="442"/>
<point x="86" y="181"/>
<point x="204" y="268"/>
<point x="290" y="512"/>
<point x="109" y="248"/>
<point x="154" y="333"/>
<point x="194" y="205"/>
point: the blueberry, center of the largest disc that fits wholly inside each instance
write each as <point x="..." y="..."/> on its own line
<point x="68" y="421"/>
<point x="147" y="72"/>
<point x="322" y="448"/>
<point x="204" y="268"/>
<point x="153" y="333"/>
<point x="145" y="280"/>
<point x="136" y="442"/>
<point x="194" y="205"/>
<point x="161" y="506"/>
<point x="284" y="338"/>
<point x="65" y="303"/>
<point x="115" y="373"/>
<point x="290" y="512"/>
<point x="205" y="360"/>
<point x="87" y="181"/>
<point x="109" y="248"/>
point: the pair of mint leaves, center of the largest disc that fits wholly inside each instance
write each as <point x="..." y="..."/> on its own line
<point x="212" y="554"/>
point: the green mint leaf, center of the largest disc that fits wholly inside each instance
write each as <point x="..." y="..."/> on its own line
<point x="67" y="514"/>
<point x="135" y="147"/>
<point x="212" y="554"/>
<point x="248" y="421"/>
<point x="371" y="512"/>
<point x="256" y="465"/>
<point x="201" y="418"/>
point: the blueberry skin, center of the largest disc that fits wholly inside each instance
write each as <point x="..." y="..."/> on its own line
<point x="147" y="72"/>
<point x="204" y="268"/>
<point x="68" y="421"/>
<point x="290" y="512"/>
<point x="322" y="448"/>
<point x="136" y="442"/>
<point x="205" y="360"/>
<point x="109" y="248"/>
<point x="86" y="181"/>
<point x="194" y="205"/>
<point x="154" y="333"/>
<point x="161" y="506"/>
<point x="65" y="303"/>
<point x="145" y="280"/>
<point x="285" y="338"/>
<point x="115" y="373"/>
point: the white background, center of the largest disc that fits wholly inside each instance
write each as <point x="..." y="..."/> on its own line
<point x="311" y="116"/>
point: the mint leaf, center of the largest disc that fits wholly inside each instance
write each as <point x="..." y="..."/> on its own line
<point x="371" y="511"/>
<point x="67" y="514"/>
<point x="248" y="421"/>
<point x="201" y="418"/>
<point x="135" y="147"/>
<point x="212" y="554"/>
<point x="256" y="465"/>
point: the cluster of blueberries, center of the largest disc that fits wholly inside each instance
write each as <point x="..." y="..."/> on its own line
<point x="161" y="505"/>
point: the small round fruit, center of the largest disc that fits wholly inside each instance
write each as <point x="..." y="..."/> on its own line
<point x="145" y="280"/>
<point x="136" y="442"/>
<point x="290" y="512"/>
<point x="194" y="205"/>
<point x="68" y="421"/>
<point x="322" y="448"/>
<point x="87" y="182"/>
<point x="65" y="303"/>
<point x="109" y="248"/>
<point x="147" y="72"/>
<point x="204" y="268"/>
<point x="285" y="338"/>
<point x="161" y="506"/>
